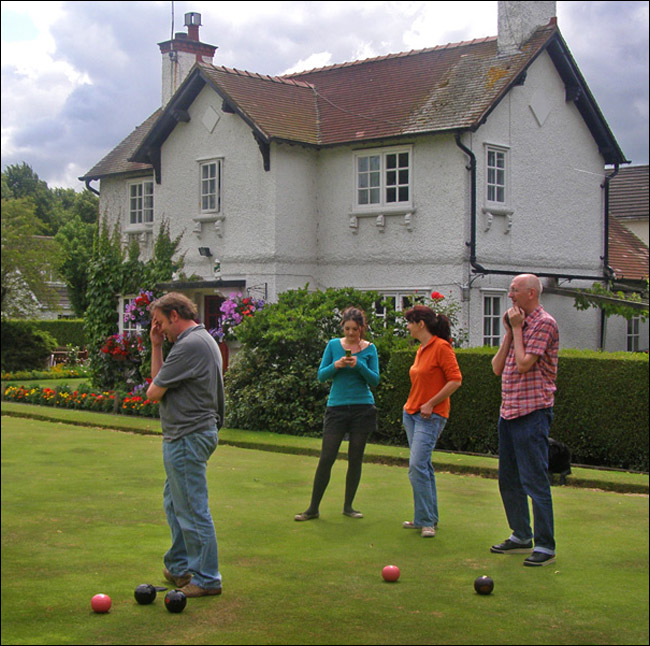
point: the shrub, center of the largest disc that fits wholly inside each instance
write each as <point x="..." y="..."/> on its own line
<point x="24" y="347"/>
<point x="271" y="384"/>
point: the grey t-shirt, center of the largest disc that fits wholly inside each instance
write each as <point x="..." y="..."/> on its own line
<point x="191" y="372"/>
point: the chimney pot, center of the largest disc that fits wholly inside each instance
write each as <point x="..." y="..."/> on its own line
<point x="193" y="22"/>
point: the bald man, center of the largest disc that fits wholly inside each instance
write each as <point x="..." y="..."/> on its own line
<point x="527" y="364"/>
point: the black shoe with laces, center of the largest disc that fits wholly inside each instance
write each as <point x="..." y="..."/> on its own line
<point x="538" y="559"/>
<point x="511" y="547"/>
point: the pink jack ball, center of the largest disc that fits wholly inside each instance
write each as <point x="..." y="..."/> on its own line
<point x="390" y="573"/>
<point x="101" y="603"/>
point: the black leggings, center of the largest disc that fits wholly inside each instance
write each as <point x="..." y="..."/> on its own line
<point x="359" y="425"/>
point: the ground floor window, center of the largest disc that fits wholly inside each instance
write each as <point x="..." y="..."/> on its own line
<point x="492" y="316"/>
<point x="633" y="334"/>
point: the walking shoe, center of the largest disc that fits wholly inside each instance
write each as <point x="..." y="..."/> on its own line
<point x="353" y="514"/>
<point x="537" y="559"/>
<point x="193" y="590"/>
<point x="178" y="581"/>
<point x="428" y="532"/>
<point x="407" y="524"/>
<point x="511" y="547"/>
<point x="305" y="516"/>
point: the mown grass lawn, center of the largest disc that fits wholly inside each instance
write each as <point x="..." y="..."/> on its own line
<point x="81" y="514"/>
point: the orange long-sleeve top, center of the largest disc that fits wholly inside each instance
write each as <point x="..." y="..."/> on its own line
<point x="435" y="364"/>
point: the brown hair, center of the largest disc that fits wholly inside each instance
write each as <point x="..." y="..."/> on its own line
<point x="185" y="308"/>
<point x="437" y="324"/>
<point x="356" y="315"/>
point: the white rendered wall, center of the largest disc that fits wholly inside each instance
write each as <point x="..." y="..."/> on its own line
<point x="556" y="223"/>
<point x="427" y="253"/>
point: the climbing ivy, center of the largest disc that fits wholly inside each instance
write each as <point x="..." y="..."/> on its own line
<point x="114" y="271"/>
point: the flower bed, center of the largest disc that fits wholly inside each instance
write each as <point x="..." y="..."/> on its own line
<point x="82" y="399"/>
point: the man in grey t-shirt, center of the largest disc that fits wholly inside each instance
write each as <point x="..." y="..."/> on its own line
<point x="189" y="386"/>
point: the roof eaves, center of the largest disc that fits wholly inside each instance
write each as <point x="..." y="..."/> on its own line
<point x="584" y="100"/>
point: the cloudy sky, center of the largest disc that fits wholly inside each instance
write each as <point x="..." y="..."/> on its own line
<point x="77" y="77"/>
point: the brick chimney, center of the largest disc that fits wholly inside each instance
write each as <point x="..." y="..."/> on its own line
<point x="518" y="20"/>
<point x="180" y="54"/>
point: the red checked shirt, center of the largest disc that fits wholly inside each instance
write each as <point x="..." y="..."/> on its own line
<point x="534" y="390"/>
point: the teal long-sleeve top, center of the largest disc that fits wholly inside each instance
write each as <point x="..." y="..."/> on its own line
<point x="349" y="385"/>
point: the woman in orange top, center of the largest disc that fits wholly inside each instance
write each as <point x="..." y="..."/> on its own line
<point x="434" y="377"/>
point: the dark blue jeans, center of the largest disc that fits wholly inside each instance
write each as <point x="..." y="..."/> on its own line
<point x="523" y="466"/>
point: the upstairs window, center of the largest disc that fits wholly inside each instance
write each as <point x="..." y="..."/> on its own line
<point x="210" y="198"/>
<point x="383" y="179"/>
<point x="497" y="176"/>
<point x="141" y="202"/>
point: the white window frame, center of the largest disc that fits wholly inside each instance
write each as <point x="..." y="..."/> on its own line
<point x="633" y="334"/>
<point x="491" y="323"/>
<point x="140" y="204"/>
<point x="210" y="186"/>
<point x="380" y="176"/>
<point x="398" y="298"/>
<point x="497" y="177"/>
<point x="127" y="327"/>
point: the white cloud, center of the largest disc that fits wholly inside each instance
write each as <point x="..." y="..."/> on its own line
<point x="322" y="59"/>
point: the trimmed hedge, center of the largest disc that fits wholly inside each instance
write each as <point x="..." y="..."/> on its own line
<point x="601" y="406"/>
<point x="65" y="331"/>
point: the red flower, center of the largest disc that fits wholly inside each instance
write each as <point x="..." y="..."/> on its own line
<point x="436" y="296"/>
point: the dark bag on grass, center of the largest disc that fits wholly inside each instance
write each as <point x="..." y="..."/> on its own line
<point x="559" y="460"/>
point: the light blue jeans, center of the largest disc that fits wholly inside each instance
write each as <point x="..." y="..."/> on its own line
<point x="185" y="498"/>
<point x="523" y="465"/>
<point x="422" y="436"/>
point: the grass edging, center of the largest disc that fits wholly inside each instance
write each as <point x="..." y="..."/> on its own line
<point x="458" y="463"/>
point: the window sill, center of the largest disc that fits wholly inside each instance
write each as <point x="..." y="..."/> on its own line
<point x="380" y="215"/>
<point x="208" y="217"/>
<point x="139" y="228"/>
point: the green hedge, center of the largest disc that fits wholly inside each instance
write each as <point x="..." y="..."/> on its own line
<point x="65" y="331"/>
<point x="601" y="406"/>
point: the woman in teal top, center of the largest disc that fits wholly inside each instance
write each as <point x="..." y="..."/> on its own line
<point x="352" y="365"/>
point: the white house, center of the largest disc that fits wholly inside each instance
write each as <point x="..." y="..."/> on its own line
<point x="451" y="168"/>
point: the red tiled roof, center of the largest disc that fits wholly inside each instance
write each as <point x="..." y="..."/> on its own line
<point x="445" y="88"/>
<point x="628" y="197"/>
<point x="279" y="108"/>
<point x="432" y="90"/>
<point x="628" y="255"/>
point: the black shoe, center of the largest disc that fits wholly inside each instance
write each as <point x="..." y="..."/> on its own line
<point x="510" y="547"/>
<point x="538" y="559"/>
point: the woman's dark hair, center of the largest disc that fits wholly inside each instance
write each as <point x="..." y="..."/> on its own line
<point x="437" y="324"/>
<point x="356" y="315"/>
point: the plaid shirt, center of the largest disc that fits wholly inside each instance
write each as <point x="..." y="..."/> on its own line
<point x="522" y="394"/>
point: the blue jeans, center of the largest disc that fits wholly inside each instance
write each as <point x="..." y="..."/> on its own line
<point x="185" y="498"/>
<point x="523" y="466"/>
<point x="422" y="435"/>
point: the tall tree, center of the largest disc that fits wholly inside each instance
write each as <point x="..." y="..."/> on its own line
<point x="23" y="182"/>
<point x="28" y="260"/>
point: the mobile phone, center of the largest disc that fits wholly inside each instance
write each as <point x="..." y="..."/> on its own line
<point x="348" y="353"/>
